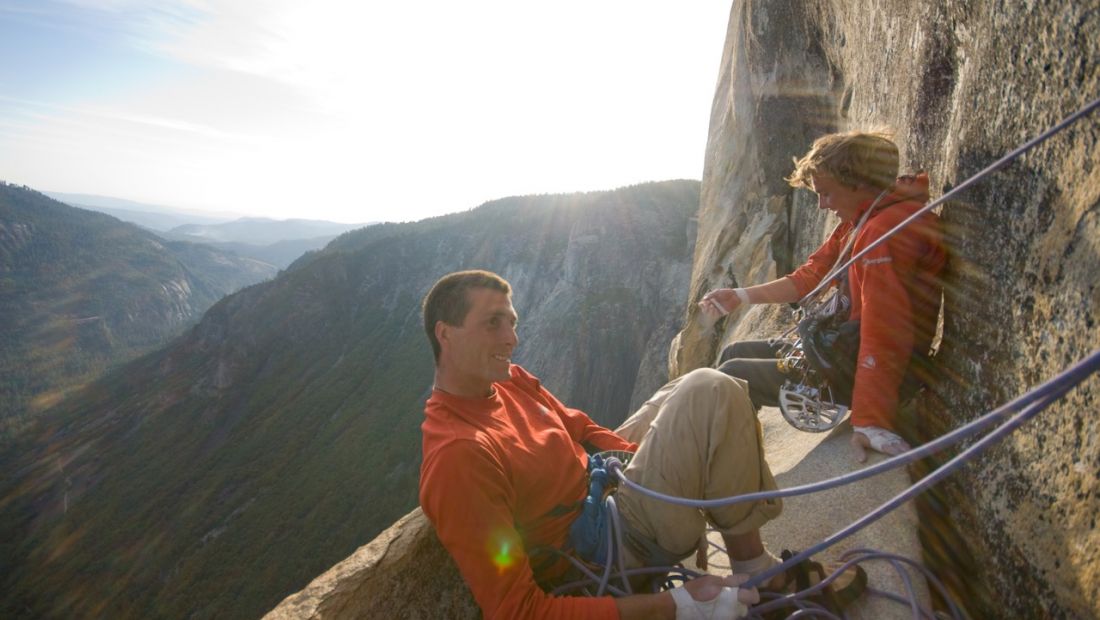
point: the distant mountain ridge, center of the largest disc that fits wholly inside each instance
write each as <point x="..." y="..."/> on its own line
<point x="104" y="204"/>
<point x="160" y="218"/>
<point x="81" y="291"/>
<point x="277" y="242"/>
<point x="260" y="231"/>
<point x="159" y="222"/>
<point x="281" y="254"/>
<point x="216" y="476"/>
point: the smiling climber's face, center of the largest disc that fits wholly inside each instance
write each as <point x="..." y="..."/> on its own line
<point x="479" y="352"/>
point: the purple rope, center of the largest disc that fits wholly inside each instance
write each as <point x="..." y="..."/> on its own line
<point x="1032" y="402"/>
<point x="616" y="525"/>
<point x="757" y="610"/>
<point x="797" y="599"/>
<point x="802" y="595"/>
<point x="907" y="581"/>
<point x="913" y="490"/>
<point x="898" y="599"/>
<point x="813" y="613"/>
<point x="605" y="579"/>
<point x="1058" y="385"/>
<point x="1036" y="400"/>
<point x="933" y="580"/>
<point x="995" y="166"/>
<point x="686" y="573"/>
<point x="590" y="576"/>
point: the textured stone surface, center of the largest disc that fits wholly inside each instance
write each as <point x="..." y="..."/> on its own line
<point x="403" y="573"/>
<point x="799" y="458"/>
<point x="406" y="573"/>
<point x="962" y="83"/>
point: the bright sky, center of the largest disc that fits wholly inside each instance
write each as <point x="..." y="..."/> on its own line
<point x="353" y="111"/>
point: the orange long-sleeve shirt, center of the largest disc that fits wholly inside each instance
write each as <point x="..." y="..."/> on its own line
<point x="895" y="294"/>
<point x="504" y="475"/>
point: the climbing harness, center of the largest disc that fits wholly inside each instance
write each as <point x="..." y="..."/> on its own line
<point x="586" y="534"/>
<point x="818" y="359"/>
<point x="1003" y="420"/>
<point x="807" y="400"/>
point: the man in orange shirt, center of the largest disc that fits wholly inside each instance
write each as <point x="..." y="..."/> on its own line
<point x="894" y="290"/>
<point x="504" y="473"/>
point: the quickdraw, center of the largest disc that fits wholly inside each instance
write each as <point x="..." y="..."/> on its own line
<point x="808" y="399"/>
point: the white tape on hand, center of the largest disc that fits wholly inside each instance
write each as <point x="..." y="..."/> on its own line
<point x="882" y="440"/>
<point x="710" y="312"/>
<point x="711" y="305"/>
<point x="723" y="606"/>
<point x="721" y="309"/>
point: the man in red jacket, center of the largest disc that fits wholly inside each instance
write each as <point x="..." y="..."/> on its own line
<point x="504" y="471"/>
<point x="894" y="290"/>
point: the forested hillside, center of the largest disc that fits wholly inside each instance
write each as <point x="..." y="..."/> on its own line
<point x="81" y="291"/>
<point x="214" y="477"/>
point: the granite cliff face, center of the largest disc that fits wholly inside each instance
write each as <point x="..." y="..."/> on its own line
<point x="962" y="83"/>
<point x="221" y="473"/>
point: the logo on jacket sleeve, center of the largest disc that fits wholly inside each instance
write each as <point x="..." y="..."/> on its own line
<point x="868" y="362"/>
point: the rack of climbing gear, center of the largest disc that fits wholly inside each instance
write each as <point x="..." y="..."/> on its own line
<point x="806" y="398"/>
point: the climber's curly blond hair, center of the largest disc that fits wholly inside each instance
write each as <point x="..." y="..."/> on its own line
<point x="853" y="158"/>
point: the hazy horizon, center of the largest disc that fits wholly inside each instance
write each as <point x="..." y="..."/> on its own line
<point x="114" y="203"/>
<point x="352" y="113"/>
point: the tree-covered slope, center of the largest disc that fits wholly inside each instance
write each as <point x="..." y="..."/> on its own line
<point x="216" y="476"/>
<point x="81" y="291"/>
<point x="280" y="254"/>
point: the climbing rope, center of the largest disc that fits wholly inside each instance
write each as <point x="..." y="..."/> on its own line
<point x="995" y="166"/>
<point x="1021" y="409"/>
<point x="1078" y="373"/>
<point x="1006" y="418"/>
<point x="1056" y="386"/>
<point x="806" y="400"/>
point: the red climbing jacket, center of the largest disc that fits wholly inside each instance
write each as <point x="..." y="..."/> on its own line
<point x="895" y="292"/>
<point x="504" y="475"/>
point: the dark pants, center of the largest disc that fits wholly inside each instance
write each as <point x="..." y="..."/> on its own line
<point x="755" y="361"/>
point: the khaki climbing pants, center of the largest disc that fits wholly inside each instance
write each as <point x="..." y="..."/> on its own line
<point x="698" y="438"/>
